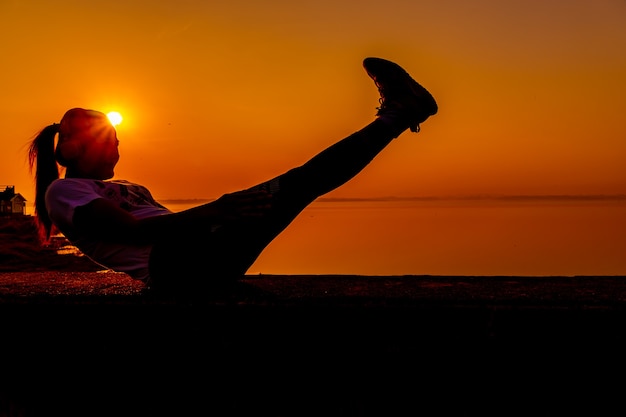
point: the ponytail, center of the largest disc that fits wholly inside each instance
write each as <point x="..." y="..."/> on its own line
<point x="41" y="160"/>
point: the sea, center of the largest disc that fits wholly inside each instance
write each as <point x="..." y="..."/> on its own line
<point x="556" y="235"/>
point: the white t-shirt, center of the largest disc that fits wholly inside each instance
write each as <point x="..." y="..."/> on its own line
<point x="64" y="195"/>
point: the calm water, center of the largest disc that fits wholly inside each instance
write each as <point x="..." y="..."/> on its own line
<point x="478" y="236"/>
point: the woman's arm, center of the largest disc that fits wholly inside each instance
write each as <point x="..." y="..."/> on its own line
<point x="102" y="219"/>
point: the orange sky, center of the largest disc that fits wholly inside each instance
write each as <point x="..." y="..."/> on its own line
<point x="218" y="96"/>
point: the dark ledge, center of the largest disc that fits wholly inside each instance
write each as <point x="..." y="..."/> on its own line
<point x="332" y="345"/>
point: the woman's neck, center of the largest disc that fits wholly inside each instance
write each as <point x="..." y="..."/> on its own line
<point x="69" y="173"/>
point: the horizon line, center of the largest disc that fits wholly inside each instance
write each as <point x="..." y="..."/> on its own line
<point x="463" y="197"/>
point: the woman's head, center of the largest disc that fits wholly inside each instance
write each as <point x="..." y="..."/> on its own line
<point x="87" y="147"/>
<point x="87" y="144"/>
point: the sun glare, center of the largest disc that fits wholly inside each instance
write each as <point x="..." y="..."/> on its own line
<point x="115" y="118"/>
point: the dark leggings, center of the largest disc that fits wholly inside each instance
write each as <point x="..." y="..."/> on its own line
<point x="226" y="253"/>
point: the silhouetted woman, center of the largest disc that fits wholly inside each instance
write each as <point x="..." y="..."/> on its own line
<point x="119" y="225"/>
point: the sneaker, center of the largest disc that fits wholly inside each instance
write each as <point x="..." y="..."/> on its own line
<point x="399" y="93"/>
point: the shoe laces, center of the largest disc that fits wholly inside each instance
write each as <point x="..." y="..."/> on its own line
<point x="381" y="94"/>
<point x="384" y="107"/>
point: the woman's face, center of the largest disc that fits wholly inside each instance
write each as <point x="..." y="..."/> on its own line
<point x="99" y="154"/>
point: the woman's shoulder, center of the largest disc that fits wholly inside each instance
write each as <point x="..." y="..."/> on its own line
<point x="70" y="182"/>
<point x="73" y="183"/>
<point x="89" y="182"/>
<point x="78" y="185"/>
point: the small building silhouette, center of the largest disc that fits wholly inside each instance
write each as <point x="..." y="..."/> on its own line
<point x="11" y="203"/>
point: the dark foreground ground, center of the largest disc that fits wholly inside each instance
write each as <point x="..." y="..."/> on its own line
<point x="95" y="344"/>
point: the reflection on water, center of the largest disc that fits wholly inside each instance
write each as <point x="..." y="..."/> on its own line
<point x="453" y="237"/>
<point x="534" y="236"/>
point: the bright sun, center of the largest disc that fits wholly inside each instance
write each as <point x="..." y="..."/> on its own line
<point x="115" y="118"/>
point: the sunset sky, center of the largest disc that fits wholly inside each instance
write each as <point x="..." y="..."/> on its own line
<point x="220" y="95"/>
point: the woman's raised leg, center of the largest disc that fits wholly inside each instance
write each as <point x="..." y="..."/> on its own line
<point x="229" y="250"/>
